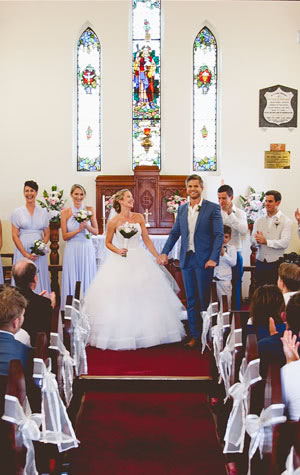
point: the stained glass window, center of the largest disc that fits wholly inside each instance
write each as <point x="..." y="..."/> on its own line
<point x="88" y="102"/>
<point x="146" y="82"/>
<point x="205" y="102"/>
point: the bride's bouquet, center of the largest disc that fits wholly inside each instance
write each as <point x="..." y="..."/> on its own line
<point x="127" y="230"/>
<point x="81" y="216"/>
<point x="39" y="248"/>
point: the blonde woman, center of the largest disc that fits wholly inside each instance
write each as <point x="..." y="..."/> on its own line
<point x="79" y="263"/>
<point x="130" y="303"/>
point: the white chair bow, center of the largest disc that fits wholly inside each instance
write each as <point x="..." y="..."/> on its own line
<point x="217" y="338"/>
<point x="211" y="311"/>
<point x="79" y="336"/>
<point x="67" y="366"/>
<point x="234" y="340"/>
<point x="236" y="425"/>
<point x="27" y="424"/>
<point x="256" y="425"/>
<point x="290" y="465"/>
<point x="56" y="425"/>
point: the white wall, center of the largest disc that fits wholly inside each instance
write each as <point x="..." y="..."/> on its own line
<point x="257" y="48"/>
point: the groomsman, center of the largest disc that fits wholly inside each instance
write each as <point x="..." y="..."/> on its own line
<point x="199" y="224"/>
<point x="236" y="219"/>
<point x="271" y="234"/>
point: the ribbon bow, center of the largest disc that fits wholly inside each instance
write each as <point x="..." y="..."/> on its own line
<point x="27" y="424"/>
<point x="206" y="318"/>
<point x="80" y="336"/>
<point x="67" y="366"/>
<point x="217" y="337"/>
<point x="56" y="425"/>
<point x="255" y="426"/>
<point x="235" y="431"/>
<point x="290" y="465"/>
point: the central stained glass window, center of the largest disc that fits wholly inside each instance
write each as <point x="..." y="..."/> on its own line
<point x="146" y="82"/>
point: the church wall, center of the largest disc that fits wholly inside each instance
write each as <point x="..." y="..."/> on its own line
<point x="257" y="48"/>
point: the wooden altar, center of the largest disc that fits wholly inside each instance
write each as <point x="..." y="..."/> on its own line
<point x="149" y="189"/>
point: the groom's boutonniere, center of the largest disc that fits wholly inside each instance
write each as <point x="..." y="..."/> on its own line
<point x="276" y="221"/>
<point x="198" y="208"/>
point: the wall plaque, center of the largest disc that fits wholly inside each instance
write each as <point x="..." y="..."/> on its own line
<point x="277" y="160"/>
<point x="278" y="107"/>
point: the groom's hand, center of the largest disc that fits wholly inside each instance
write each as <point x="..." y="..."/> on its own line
<point x="210" y="264"/>
<point x="163" y="259"/>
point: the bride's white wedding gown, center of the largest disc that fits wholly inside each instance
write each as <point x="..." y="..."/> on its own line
<point x="130" y="302"/>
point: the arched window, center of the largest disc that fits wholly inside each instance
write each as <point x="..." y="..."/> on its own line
<point x="205" y="102"/>
<point x="146" y="82"/>
<point x="88" y="102"/>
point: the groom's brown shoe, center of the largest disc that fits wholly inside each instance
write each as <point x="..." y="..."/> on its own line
<point x="192" y="344"/>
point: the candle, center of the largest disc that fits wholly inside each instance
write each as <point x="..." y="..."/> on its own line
<point x="103" y="206"/>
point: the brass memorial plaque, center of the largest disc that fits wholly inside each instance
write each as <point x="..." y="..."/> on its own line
<point x="277" y="159"/>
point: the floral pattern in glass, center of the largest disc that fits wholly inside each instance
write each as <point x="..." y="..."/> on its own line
<point x="205" y="102"/>
<point x="146" y="83"/>
<point x="88" y="102"/>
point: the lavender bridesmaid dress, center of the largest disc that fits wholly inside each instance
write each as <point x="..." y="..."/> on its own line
<point x="31" y="228"/>
<point x="79" y="262"/>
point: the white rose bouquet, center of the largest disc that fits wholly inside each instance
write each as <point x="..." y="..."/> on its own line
<point x="127" y="230"/>
<point x="39" y="248"/>
<point x="81" y="216"/>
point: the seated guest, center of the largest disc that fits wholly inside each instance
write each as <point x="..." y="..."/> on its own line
<point x="290" y="373"/>
<point x="267" y="301"/>
<point x="12" y="308"/>
<point x="22" y="334"/>
<point x="288" y="280"/>
<point x="223" y="271"/>
<point x="38" y="314"/>
<point x="270" y="348"/>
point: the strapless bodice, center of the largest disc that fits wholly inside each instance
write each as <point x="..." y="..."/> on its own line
<point x="131" y="243"/>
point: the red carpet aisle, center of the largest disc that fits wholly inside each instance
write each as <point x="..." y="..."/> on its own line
<point x="147" y="433"/>
<point x="143" y="413"/>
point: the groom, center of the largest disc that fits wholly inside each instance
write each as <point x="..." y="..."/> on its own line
<point x="199" y="223"/>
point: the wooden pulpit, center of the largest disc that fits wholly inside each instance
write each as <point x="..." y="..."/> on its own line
<point x="150" y="191"/>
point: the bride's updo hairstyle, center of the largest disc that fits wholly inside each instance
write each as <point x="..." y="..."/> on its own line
<point x="118" y="197"/>
<point x="77" y="186"/>
<point x="32" y="184"/>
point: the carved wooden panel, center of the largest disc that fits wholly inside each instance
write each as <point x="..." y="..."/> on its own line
<point x="149" y="190"/>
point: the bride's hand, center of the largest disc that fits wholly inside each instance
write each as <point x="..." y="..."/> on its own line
<point x="123" y="251"/>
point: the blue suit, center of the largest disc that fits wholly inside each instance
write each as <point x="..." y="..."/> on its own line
<point x="11" y="349"/>
<point x="208" y="240"/>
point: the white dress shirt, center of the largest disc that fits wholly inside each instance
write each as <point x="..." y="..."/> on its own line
<point x="237" y="220"/>
<point x="277" y="231"/>
<point x="193" y="213"/>
<point x="288" y="295"/>
<point x="21" y="336"/>
<point x="290" y="381"/>
<point x="224" y="270"/>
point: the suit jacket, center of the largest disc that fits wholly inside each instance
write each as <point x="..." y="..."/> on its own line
<point x="38" y="314"/>
<point x="208" y="237"/>
<point x="11" y="349"/>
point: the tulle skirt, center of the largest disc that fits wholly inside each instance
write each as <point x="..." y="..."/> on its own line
<point x="131" y="304"/>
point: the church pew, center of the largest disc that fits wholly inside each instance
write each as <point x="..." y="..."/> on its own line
<point x="12" y="450"/>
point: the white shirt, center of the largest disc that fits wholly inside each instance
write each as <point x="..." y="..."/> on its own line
<point x="288" y="295"/>
<point x="290" y="381"/>
<point x="193" y="213"/>
<point x="21" y="336"/>
<point x="237" y="221"/>
<point x="224" y="270"/>
<point x="277" y="230"/>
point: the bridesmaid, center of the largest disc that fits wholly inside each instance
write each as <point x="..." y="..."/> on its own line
<point x="1" y="271"/>
<point x="79" y="262"/>
<point x="30" y="223"/>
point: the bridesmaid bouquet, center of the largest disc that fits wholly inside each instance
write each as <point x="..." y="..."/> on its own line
<point x="81" y="216"/>
<point x="127" y="230"/>
<point x="39" y="248"/>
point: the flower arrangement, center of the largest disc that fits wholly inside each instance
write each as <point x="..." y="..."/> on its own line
<point x="253" y="204"/>
<point x="81" y="216"/>
<point x="127" y="230"/>
<point x="174" y="201"/>
<point x="109" y="201"/>
<point x="53" y="203"/>
<point x="39" y="248"/>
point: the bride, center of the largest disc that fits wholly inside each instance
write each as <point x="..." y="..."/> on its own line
<point x="130" y="302"/>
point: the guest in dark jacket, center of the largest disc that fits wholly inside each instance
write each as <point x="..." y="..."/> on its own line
<point x="38" y="313"/>
<point x="267" y="301"/>
<point x="270" y="349"/>
<point x="12" y="308"/>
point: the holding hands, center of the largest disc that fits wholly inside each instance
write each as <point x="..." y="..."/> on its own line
<point x="162" y="260"/>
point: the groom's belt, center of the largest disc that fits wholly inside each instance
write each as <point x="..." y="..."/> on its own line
<point x="190" y="253"/>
